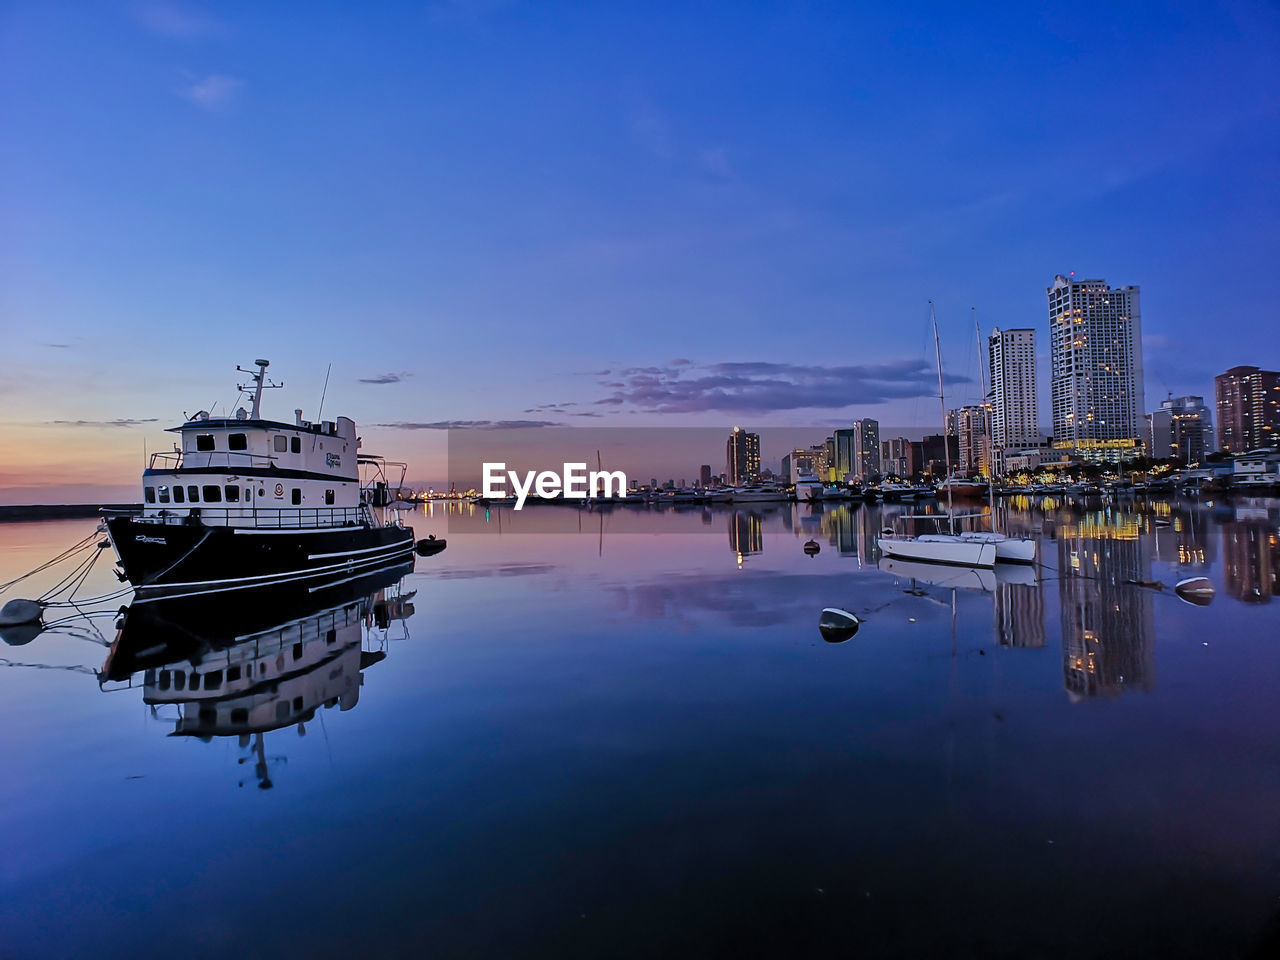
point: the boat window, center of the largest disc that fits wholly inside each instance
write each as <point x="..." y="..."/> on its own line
<point x="195" y="682"/>
<point x="193" y="493"/>
<point x="233" y="673"/>
<point x="232" y="493"/>
<point x="281" y="443"/>
<point x="212" y="493"/>
<point x="297" y="704"/>
<point x="150" y="494"/>
<point x="328" y="497"/>
<point x="177" y="495"/>
<point x="208" y="716"/>
<point x="282" y="710"/>
<point x="297" y="496"/>
<point x="213" y="680"/>
<point x="331" y="636"/>
<point x="295" y="444"/>
<point x="164" y="494"/>
<point x="237" y="441"/>
<point x="297" y="651"/>
<point x="179" y="680"/>
<point x="204" y="441"/>
<point x="239" y="715"/>
<point x="164" y="680"/>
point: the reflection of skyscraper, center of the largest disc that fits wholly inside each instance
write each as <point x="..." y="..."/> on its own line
<point x="841" y="531"/>
<point x="1019" y="613"/>
<point x="742" y="457"/>
<point x="1250" y="561"/>
<point x="746" y="533"/>
<point x="1107" y="625"/>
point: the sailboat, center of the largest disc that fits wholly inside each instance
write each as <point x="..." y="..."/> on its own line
<point x="1008" y="549"/>
<point x="950" y="548"/>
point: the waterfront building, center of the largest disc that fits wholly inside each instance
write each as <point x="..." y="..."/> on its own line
<point x="845" y="457"/>
<point x="866" y="447"/>
<point x="704" y="475"/>
<point x="971" y="426"/>
<point x="1097" y="380"/>
<point x="930" y="454"/>
<point x="1013" y="393"/>
<point x="899" y="457"/>
<point x="1182" y="429"/>
<point x="742" y="457"/>
<point x="1248" y="401"/>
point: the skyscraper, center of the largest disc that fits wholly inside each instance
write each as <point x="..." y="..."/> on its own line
<point x="1015" y="410"/>
<point x="866" y="447"/>
<point x="844" y="461"/>
<point x="971" y="427"/>
<point x="1096" y="347"/>
<point x="1248" y="408"/>
<point x="742" y="457"/>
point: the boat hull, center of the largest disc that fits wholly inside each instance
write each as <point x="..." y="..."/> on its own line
<point x="166" y="559"/>
<point x="951" y="551"/>
<point x="1008" y="549"/>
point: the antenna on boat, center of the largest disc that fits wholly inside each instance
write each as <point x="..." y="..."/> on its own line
<point x="260" y="383"/>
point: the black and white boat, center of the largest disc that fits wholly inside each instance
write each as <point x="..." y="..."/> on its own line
<point x="244" y="502"/>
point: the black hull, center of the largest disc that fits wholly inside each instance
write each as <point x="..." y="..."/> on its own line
<point x="178" y="559"/>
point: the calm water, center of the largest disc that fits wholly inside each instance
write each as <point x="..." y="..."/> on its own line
<point x="622" y="735"/>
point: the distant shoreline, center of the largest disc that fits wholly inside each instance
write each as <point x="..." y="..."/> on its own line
<point x="57" y="511"/>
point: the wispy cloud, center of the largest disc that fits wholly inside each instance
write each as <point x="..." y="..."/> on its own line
<point x="217" y="91"/>
<point x="386" y="378"/>
<point x="472" y="425"/>
<point x="176" y="21"/>
<point x="761" y="387"/>
<point x="104" y="423"/>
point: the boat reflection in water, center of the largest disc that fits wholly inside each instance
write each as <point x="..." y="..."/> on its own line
<point x="244" y="670"/>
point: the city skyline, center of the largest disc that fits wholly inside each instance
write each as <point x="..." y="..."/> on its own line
<point x="470" y="227"/>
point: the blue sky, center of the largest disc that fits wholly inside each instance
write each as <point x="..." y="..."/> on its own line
<point x="486" y="204"/>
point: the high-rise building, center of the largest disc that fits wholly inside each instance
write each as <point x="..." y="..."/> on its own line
<point x="1248" y="408"/>
<point x="866" y="447"/>
<point x="844" y="459"/>
<point x="742" y="457"/>
<point x="1095" y="336"/>
<point x="1182" y="429"/>
<point x="1015" y="410"/>
<point x="798" y="463"/>
<point x="704" y="475"/>
<point x="971" y="426"/>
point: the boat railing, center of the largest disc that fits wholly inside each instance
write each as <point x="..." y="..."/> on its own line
<point x="259" y="517"/>
<point x="173" y="459"/>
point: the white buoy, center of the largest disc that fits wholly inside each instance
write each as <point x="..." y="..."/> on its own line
<point x="837" y="625"/>
<point x="1195" y="590"/>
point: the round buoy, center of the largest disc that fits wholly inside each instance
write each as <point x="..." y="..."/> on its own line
<point x="17" y="634"/>
<point x="1195" y="590"/>
<point x="837" y="625"/>
<point x="812" y="548"/>
<point x="19" y="611"/>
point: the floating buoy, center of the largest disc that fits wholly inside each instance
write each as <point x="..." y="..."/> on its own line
<point x="430" y="546"/>
<point x="812" y="547"/>
<point x="837" y="625"/>
<point x="1195" y="590"/>
<point x="19" y="611"/>
<point x="20" y="633"/>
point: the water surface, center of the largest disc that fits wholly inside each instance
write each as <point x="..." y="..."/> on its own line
<point x="622" y="735"/>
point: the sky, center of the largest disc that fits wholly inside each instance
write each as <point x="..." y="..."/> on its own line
<point x="686" y="214"/>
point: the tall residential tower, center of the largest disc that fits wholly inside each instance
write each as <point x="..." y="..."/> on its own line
<point x="1015" y="411"/>
<point x="1096" y="348"/>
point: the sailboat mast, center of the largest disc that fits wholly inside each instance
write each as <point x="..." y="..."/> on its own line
<point x="942" y="401"/>
<point x="987" y="423"/>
